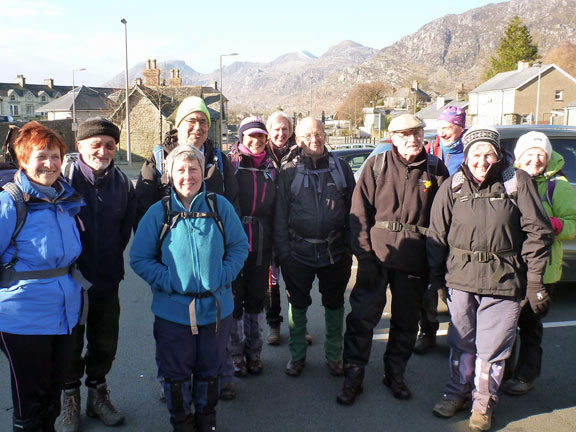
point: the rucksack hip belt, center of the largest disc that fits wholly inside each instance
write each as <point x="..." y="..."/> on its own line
<point x="192" y="311"/>
<point x="485" y="257"/>
<point x="396" y="226"/>
<point x="328" y="240"/>
<point x="10" y="275"/>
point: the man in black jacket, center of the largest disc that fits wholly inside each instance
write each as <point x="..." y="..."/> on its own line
<point x="192" y="126"/>
<point x="311" y="239"/>
<point x="106" y="224"/>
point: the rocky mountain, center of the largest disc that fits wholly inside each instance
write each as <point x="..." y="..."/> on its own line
<point x="456" y="48"/>
<point x="445" y="52"/>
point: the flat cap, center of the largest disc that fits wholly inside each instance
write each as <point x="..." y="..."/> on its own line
<point x="406" y="122"/>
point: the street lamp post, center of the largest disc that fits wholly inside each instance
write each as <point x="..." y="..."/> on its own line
<point x="74" y="125"/>
<point x="221" y="98"/>
<point x="128" y="150"/>
<point x="538" y="93"/>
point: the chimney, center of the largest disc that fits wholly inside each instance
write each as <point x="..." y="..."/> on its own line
<point x="175" y="80"/>
<point x="151" y="74"/>
<point x="440" y="102"/>
<point x="215" y="85"/>
<point x="415" y="85"/>
<point x="522" y="65"/>
<point x="49" y="82"/>
<point x="460" y="93"/>
<point x="21" y="80"/>
<point x="138" y="81"/>
<point x="172" y="73"/>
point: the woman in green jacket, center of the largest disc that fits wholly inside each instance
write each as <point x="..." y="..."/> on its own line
<point x="534" y="154"/>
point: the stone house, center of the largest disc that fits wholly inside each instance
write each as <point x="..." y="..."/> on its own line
<point x="529" y="94"/>
<point x="23" y="101"/>
<point x="153" y="106"/>
<point x="408" y="98"/>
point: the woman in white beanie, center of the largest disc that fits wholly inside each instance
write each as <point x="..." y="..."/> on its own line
<point x="534" y="154"/>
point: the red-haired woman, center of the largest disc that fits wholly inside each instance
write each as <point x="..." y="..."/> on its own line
<point x="40" y="301"/>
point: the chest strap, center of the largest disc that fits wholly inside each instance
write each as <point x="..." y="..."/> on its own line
<point x="396" y="226"/>
<point x="485" y="257"/>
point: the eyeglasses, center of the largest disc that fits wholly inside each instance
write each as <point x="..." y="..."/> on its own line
<point x="193" y="122"/>
<point x="318" y="136"/>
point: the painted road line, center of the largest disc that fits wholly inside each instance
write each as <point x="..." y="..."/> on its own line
<point x="383" y="334"/>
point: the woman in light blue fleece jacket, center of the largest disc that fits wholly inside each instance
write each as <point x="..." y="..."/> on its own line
<point x="190" y="271"/>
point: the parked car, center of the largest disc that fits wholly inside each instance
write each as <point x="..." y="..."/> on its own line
<point x="355" y="153"/>
<point x="563" y="139"/>
<point x="6" y="119"/>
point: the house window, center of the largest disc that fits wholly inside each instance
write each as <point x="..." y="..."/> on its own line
<point x="30" y="110"/>
<point x="558" y="95"/>
<point x="14" y="110"/>
<point x="12" y="97"/>
<point x="43" y="98"/>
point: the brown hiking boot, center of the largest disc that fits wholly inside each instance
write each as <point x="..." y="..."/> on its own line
<point x="273" y="337"/>
<point x="99" y="405"/>
<point x="70" y="416"/>
<point x="446" y="408"/>
<point x="480" y="422"/>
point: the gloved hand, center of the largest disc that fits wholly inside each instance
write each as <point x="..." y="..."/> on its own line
<point x="434" y="289"/>
<point x="538" y="298"/>
<point x="556" y="225"/>
<point x="367" y="273"/>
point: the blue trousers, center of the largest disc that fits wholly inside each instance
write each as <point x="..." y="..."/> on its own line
<point x="180" y="355"/>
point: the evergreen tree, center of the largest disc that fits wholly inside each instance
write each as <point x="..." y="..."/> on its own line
<point x="515" y="46"/>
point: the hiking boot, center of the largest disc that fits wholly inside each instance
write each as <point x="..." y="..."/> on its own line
<point x="295" y="368"/>
<point x="425" y="342"/>
<point x="254" y="365"/>
<point x="273" y="337"/>
<point x="353" y="378"/>
<point x="99" y="405"/>
<point x="480" y="422"/>
<point x="240" y="368"/>
<point x="206" y="422"/>
<point x="70" y="417"/>
<point x="517" y="386"/>
<point x="399" y="388"/>
<point x="308" y="337"/>
<point x="446" y="408"/>
<point x="228" y="390"/>
<point x="335" y="367"/>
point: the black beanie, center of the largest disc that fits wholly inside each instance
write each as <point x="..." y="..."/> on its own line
<point x="98" y="126"/>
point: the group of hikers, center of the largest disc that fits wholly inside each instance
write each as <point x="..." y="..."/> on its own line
<point x="455" y="219"/>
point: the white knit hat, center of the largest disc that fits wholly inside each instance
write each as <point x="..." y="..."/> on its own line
<point x="532" y="140"/>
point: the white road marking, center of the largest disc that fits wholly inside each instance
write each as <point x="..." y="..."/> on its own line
<point x="382" y="334"/>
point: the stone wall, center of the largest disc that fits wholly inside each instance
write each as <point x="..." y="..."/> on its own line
<point x="63" y="127"/>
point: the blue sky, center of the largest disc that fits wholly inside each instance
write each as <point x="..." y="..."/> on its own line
<point x="48" y="39"/>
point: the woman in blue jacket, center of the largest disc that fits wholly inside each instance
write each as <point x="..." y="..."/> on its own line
<point x="189" y="247"/>
<point x="40" y="301"/>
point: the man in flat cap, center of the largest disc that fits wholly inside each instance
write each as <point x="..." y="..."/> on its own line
<point x="388" y="221"/>
<point x="448" y="146"/>
<point x="107" y="220"/>
<point x="192" y="126"/>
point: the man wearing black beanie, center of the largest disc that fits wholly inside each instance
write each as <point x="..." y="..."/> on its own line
<point x="107" y="220"/>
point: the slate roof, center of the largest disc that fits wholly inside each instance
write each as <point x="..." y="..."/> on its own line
<point x="86" y="99"/>
<point x="513" y="79"/>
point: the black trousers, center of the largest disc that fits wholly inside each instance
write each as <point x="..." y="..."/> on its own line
<point x="368" y="303"/>
<point x="332" y="282"/>
<point x="37" y="366"/>
<point x="101" y="330"/>
<point x="251" y="285"/>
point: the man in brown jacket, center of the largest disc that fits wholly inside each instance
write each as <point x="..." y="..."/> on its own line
<point x="388" y="221"/>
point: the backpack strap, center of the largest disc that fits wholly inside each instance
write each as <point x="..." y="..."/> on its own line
<point x="509" y="179"/>
<point x="20" y="200"/>
<point x="159" y="158"/>
<point x="378" y="164"/>
<point x="68" y="167"/>
<point x="336" y="173"/>
<point x="212" y="201"/>
<point x="218" y="160"/>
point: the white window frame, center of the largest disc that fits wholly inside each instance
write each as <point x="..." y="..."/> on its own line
<point x="559" y="95"/>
